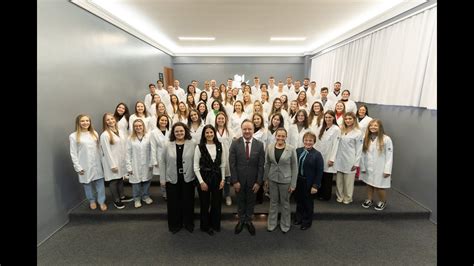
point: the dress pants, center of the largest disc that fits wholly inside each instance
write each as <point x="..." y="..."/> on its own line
<point x="180" y="204"/>
<point x="245" y="203"/>
<point x="279" y="197"/>
<point x="325" y="191"/>
<point x="304" y="203"/>
<point x="210" y="218"/>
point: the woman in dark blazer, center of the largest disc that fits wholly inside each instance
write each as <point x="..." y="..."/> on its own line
<point x="310" y="172"/>
<point x="209" y="167"/>
<point x="281" y="170"/>
<point x="176" y="167"/>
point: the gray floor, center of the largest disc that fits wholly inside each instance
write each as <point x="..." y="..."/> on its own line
<point x="397" y="242"/>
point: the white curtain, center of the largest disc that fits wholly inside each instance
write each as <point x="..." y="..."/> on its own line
<point x="396" y="65"/>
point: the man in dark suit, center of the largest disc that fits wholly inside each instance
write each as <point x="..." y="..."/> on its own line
<point x="247" y="159"/>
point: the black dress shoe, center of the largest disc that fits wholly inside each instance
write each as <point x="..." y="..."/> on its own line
<point x="210" y="232"/>
<point x="175" y="230"/>
<point x="189" y="228"/>
<point x="238" y="228"/>
<point x="251" y="228"/>
<point x="297" y="223"/>
<point x="304" y="227"/>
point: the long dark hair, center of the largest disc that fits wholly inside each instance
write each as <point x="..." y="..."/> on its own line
<point x="187" y="133"/>
<point x="126" y="113"/>
<point x="203" y="140"/>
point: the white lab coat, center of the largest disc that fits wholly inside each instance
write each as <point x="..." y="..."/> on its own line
<point x="123" y="126"/>
<point x="86" y="156"/>
<point x="226" y="140"/>
<point x="138" y="159"/>
<point x="295" y="138"/>
<point x="364" y="124"/>
<point x="113" y="155"/>
<point x="376" y="163"/>
<point x="262" y="135"/>
<point x="236" y="121"/>
<point x="351" y="106"/>
<point x="157" y="142"/>
<point x="328" y="146"/>
<point x="314" y="125"/>
<point x="196" y="134"/>
<point x="146" y="120"/>
<point x="349" y="151"/>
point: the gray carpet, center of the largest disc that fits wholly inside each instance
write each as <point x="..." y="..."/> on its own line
<point x="371" y="242"/>
<point x="398" y="207"/>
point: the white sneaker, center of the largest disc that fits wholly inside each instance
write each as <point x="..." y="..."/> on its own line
<point x="138" y="204"/>
<point x="148" y="200"/>
<point x="228" y="201"/>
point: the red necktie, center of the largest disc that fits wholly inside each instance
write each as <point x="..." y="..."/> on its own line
<point x="247" y="150"/>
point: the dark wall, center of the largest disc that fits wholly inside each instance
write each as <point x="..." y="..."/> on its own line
<point x="414" y="134"/>
<point x="220" y="68"/>
<point x="85" y="65"/>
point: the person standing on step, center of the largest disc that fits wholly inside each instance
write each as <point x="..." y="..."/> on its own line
<point x="281" y="171"/>
<point x="247" y="159"/>
<point x="138" y="162"/>
<point x="158" y="139"/>
<point x="177" y="175"/>
<point x="113" y="144"/>
<point x="376" y="163"/>
<point x="310" y="172"/>
<point x="209" y="167"/>
<point x="225" y="135"/>
<point x="85" y="156"/>
<point x="327" y="144"/>
<point x="348" y="156"/>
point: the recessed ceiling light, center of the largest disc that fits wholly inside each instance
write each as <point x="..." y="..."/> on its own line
<point x="197" y="38"/>
<point x="287" y="38"/>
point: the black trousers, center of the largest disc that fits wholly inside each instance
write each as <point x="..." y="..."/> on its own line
<point x="116" y="188"/>
<point x="245" y="203"/>
<point x="180" y="204"/>
<point x="210" y="218"/>
<point x="325" y="191"/>
<point x="304" y="203"/>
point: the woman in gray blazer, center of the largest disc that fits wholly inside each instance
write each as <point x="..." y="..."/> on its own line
<point x="177" y="174"/>
<point x="281" y="171"/>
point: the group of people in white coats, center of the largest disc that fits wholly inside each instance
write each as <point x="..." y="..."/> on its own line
<point x="307" y="143"/>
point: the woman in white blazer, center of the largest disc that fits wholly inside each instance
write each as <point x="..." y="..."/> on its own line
<point x="298" y="129"/>
<point x="376" y="163"/>
<point x="140" y="112"/>
<point x="348" y="158"/>
<point x="159" y="138"/>
<point x="316" y="117"/>
<point x="225" y="135"/>
<point x="327" y="145"/>
<point x="195" y="125"/>
<point x="237" y="117"/>
<point x="363" y="118"/>
<point x="138" y="162"/>
<point x="113" y="144"/>
<point x="85" y="156"/>
<point x="122" y="115"/>
<point x="177" y="175"/>
<point x="281" y="171"/>
<point x="350" y="104"/>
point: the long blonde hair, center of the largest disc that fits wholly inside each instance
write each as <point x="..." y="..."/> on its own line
<point x="134" y="133"/>
<point x="90" y="129"/>
<point x="344" y="127"/>
<point x="380" y="135"/>
<point x="105" y="127"/>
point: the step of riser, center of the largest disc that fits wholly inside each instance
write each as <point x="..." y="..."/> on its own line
<point x="232" y="216"/>
<point x="157" y="183"/>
